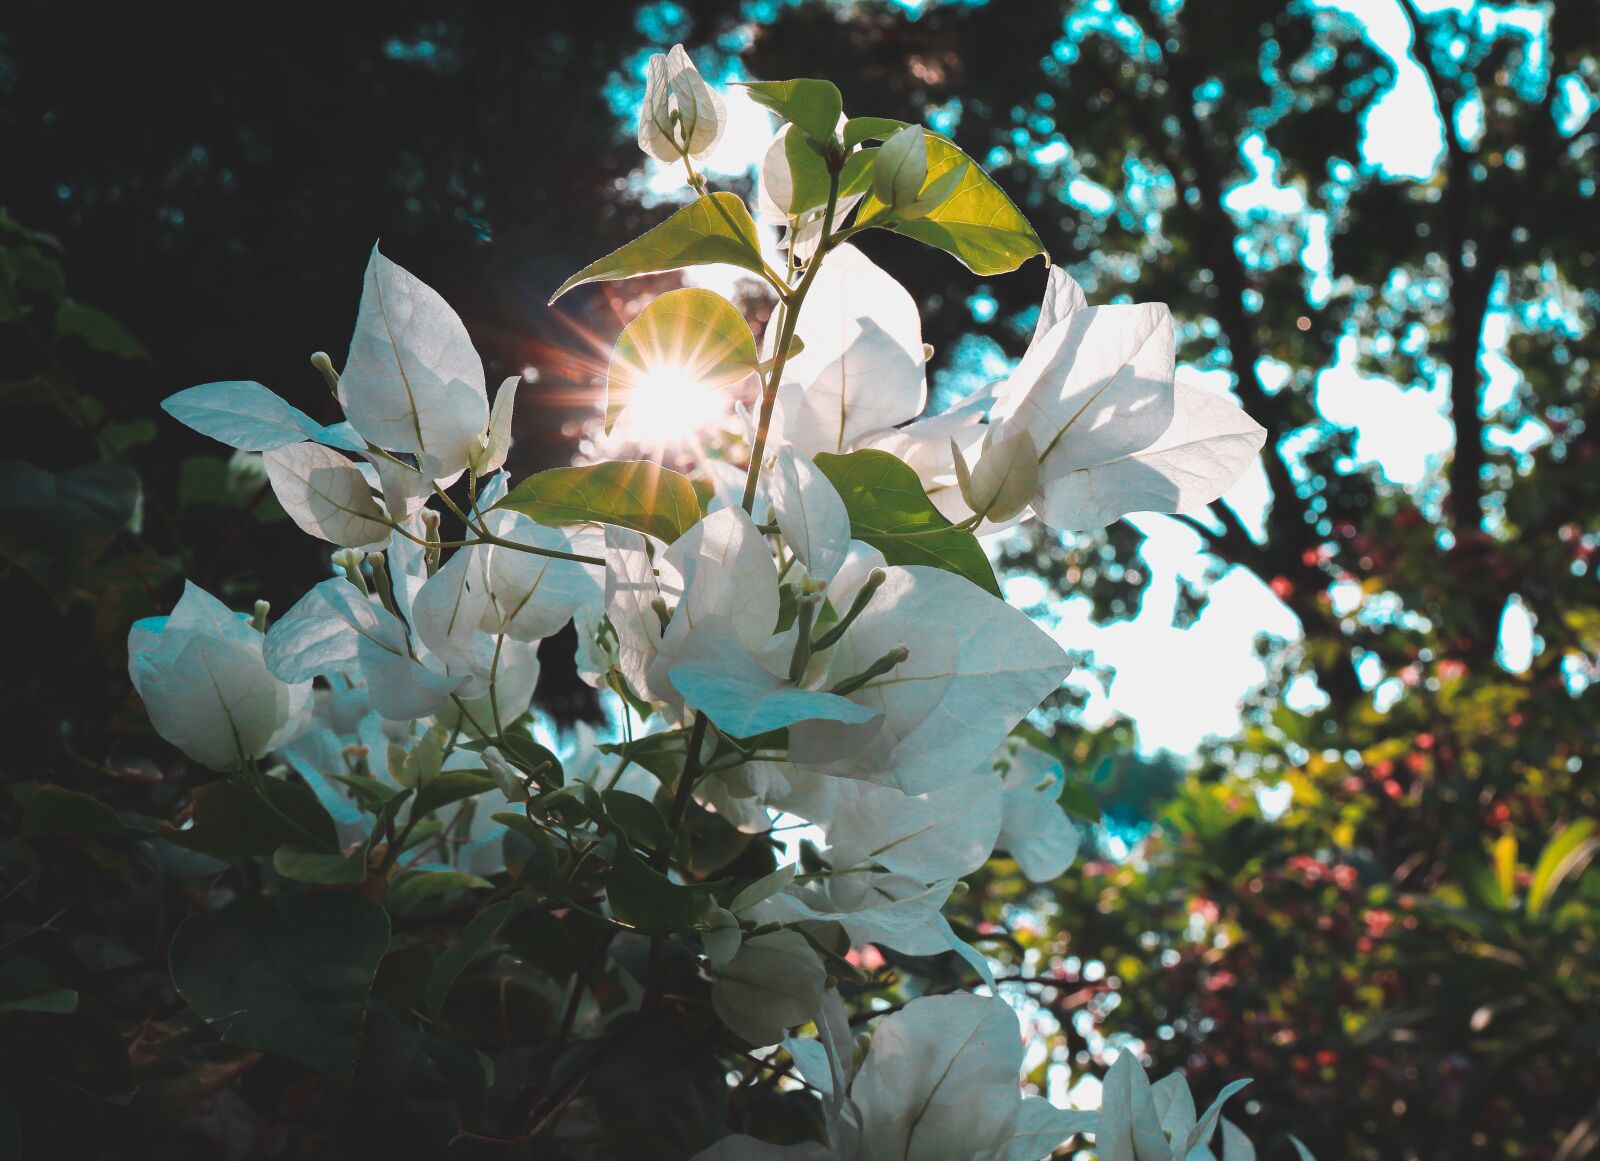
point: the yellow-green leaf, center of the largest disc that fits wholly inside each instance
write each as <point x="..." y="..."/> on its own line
<point x="813" y="105"/>
<point x="683" y="335"/>
<point x="713" y="229"/>
<point x="633" y="494"/>
<point x="890" y="511"/>
<point x="977" y="224"/>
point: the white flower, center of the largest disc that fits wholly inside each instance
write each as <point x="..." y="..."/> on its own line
<point x="414" y="382"/>
<point x="335" y="629"/>
<point x="326" y="495"/>
<point x="1144" y="1122"/>
<point x="811" y="515"/>
<point x="250" y="417"/>
<point x="206" y="686"/>
<point x="861" y="367"/>
<point x="939" y="1083"/>
<point x="532" y="595"/>
<point x="681" y="115"/>
<point x="1034" y="829"/>
<point x="1005" y="477"/>
<point x="975" y="667"/>
<point x="719" y="654"/>
<point x="1096" y="394"/>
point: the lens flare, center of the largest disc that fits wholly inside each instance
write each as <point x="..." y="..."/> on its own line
<point x="670" y="405"/>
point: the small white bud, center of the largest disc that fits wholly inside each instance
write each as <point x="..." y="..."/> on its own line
<point x="681" y="116"/>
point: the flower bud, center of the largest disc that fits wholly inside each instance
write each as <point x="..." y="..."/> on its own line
<point x="1005" y="479"/>
<point x="206" y="685"/>
<point x="681" y="116"/>
<point x="506" y="776"/>
<point x="324" y="366"/>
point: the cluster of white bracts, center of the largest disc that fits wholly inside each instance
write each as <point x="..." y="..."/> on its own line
<point x="896" y="707"/>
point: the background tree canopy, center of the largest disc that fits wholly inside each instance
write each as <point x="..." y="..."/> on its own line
<point x="1372" y="897"/>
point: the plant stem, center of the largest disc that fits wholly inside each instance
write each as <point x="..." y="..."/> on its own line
<point x="791" y="315"/>
<point x="663" y="856"/>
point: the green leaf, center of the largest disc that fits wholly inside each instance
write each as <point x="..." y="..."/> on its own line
<point x="99" y="330"/>
<point x="855" y="178"/>
<point x="648" y="901"/>
<point x="633" y="494"/>
<point x="1562" y="856"/>
<point x="449" y="787"/>
<point x="52" y="1001"/>
<point x="808" y="173"/>
<point x="813" y="105"/>
<point x="859" y="129"/>
<point x="423" y="892"/>
<point x="474" y="940"/>
<point x="637" y="817"/>
<point x="689" y="334"/>
<point x="370" y="794"/>
<point x="1077" y="800"/>
<point x="890" y="511"/>
<point x="714" y="229"/>
<point x="55" y="810"/>
<point x="243" y="815"/>
<point x="323" y="867"/>
<point x="55" y="525"/>
<point x="977" y="224"/>
<point x="288" y="976"/>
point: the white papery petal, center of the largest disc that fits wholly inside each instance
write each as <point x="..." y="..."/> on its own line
<point x="1208" y="446"/>
<point x="206" y="687"/>
<point x="1005" y="476"/>
<point x="631" y="589"/>
<point x="942" y="835"/>
<point x="673" y="84"/>
<point x="862" y="364"/>
<point x="728" y="573"/>
<point x="940" y="1081"/>
<point x="952" y="701"/>
<point x="873" y="907"/>
<point x="1130" y="1128"/>
<point x="533" y="596"/>
<point x="491" y="454"/>
<point x="1096" y="388"/>
<point x="414" y="381"/>
<point x="321" y="632"/>
<point x="1174" y="1106"/>
<point x="1062" y="296"/>
<point x="775" y="179"/>
<point x="773" y="983"/>
<point x="811" y="514"/>
<point x="447" y="610"/>
<point x="325" y="494"/>
<point x="716" y="674"/>
<point x="1041" y="1128"/>
<point x="248" y="416"/>
<point x="334" y="629"/>
<point x="1034" y="829"/>
<point x="1235" y="1145"/>
<point x="402" y="688"/>
<point x="1207" y="1124"/>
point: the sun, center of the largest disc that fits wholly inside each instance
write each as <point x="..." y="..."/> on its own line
<point x="668" y="404"/>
